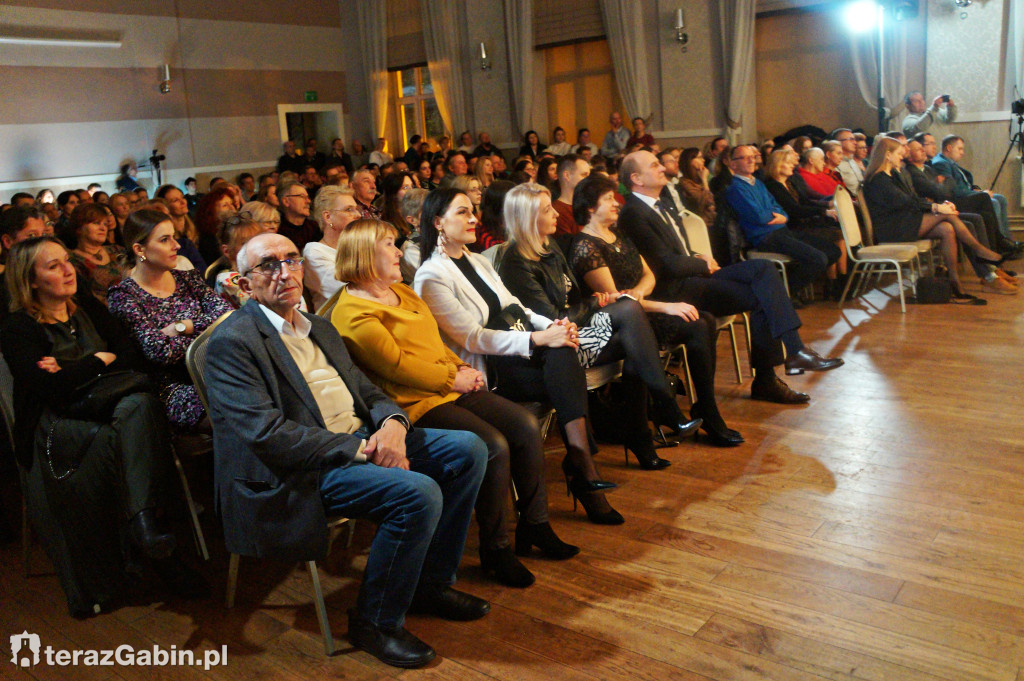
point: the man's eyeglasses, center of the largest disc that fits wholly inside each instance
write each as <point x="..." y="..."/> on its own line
<point x="303" y="197"/>
<point x="271" y="268"/>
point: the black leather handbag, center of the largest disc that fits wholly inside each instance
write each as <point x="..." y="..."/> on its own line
<point x="96" y="399"/>
<point x="511" y="318"/>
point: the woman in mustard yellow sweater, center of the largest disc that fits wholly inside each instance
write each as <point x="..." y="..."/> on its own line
<point x="394" y="339"/>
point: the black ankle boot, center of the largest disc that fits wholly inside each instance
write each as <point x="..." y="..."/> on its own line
<point x="544" y="538"/>
<point x="144" y="532"/>
<point x="643" y="449"/>
<point x="505" y="567"/>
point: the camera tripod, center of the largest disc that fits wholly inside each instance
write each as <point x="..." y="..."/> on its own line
<point x="1016" y="141"/>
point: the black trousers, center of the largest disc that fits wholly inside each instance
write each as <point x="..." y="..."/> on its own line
<point x="514" y="447"/>
<point x="549" y="375"/>
<point x="811" y="254"/>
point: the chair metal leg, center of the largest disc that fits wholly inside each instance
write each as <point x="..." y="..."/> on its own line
<point x="689" y="378"/>
<point x="351" y="533"/>
<point x="785" y="278"/>
<point x="321" y="609"/>
<point x="849" y="280"/>
<point x="197" y="529"/>
<point x="735" y="354"/>
<point x="229" y="598"/>
<point x="899" y="283"/>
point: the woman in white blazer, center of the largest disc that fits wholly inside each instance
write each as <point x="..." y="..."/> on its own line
<point x="534" y="362"/>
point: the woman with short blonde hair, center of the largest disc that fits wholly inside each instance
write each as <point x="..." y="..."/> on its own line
<point x="395" y="340"/>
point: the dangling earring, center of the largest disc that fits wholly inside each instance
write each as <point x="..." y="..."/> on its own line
<point x="442" y="240"/>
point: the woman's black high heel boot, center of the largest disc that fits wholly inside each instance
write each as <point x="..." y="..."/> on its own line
<point x="643" y="449"/>
<point x="591" y="501"/>
<point x="544" y="538"/>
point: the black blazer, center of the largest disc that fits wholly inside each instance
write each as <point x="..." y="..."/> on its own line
<point x="895" y="214"/>
<point x="546" y="286"/>
<point x="800" y="214"/>
<point x="926" y="185"/>
<point x="269" y="438"/>
<point x="659" y="245"/>
<point x="24" y="342"/>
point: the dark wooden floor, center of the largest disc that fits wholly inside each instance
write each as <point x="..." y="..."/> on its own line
<point x="876" y="534"/>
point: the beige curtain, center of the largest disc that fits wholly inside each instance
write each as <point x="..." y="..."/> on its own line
<point x="623" y="22"/>
<point x="373" y="34"/>
<point x="736" y="22"/>
<point x="894" y="64"/>
<point x="519" y="44"/>
<point x="446" y="58"/>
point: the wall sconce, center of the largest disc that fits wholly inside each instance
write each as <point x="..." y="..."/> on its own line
<point x="165" y="79"/>
<point x="485" y="63"/>
<point x="963" y="5"/>
<point x="681" y="37"/>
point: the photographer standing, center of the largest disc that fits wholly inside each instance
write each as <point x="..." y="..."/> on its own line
<point x="920" y="117"/>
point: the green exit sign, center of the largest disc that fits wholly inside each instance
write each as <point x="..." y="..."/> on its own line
<point x="310" y="95"/>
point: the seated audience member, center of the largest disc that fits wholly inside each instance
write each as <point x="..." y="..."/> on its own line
<point x="920" y="116"/>
<point x="120" y="207"/>
<point x="547" y="173"/>
<point x="104" y="471"/>
<point x="766" y="225"/>
<point x="862" y="149"/>
<point x="191" y="197"/>
<point x="808" y="213"/>
<point x="264" y="215"/>
<point x="615" y="139"/>
<point x="425" y="175"/>
<point x="465" y="142"/>
<point x="101" y="196"/>
<point x="296" y="224"/>
<point x="491" y="227"/>
<point x="693" y="185"/>
<point x="335" y="210"/>
<point x="310" y="179"/>
<point x="814" y="174"/>
<point x="583" y="142"/>
<point x="901" y="216"/>
<point x="848" y="168"/>
<point x="927" y="187"/>
<point x="470" y="186"/>
<point x="313" y="156"/>
<point x="559" y="147"/>
<point x="247" y="183"/>
<point x="393" y="188"/>
<point x="801" y="144"/>
<point x="640" y="135"/>
<point x="290" y="160"/>
<point x="411" y="204"/>
<point x="22" y="199"/>
<point x="610" y="328"/>
<point x="126" y="182"/>
<point x="222" y="275"/>
<point x="360" y="156"/>
<point x="44" y="196"/>
<point x="16" y="225"/>
<point x="67" y="201"/>
<point x="185" y="231"/>
<point x="95" y="261"/>
<point x="164" y="309"/>
<point x="484" y="171"/>
<point x="721" y="175"/>
<point x="766" y="150"/>
<point x="211" y="210"/>
<point x="532" y="145"/>
<point x="268" y="195"/>
<point x="437" y="172"/>
<point x="486" y="148"/>
<point x="338" y="446"/>
<point x="380" y="155"/>
<point x="539" y="362"/>
<point x="833" y="158"/>
<point x="947" y="167"/>
<point x="571" y="170"/>
<point x="524" y="167"/>
<point x="455" y="166"/>
<point x="608" y="264"/>
<point x="394" y="339"/>
<point x="684" y="276"/>
<point x="364" y="188"/>
<point x="671" y="164"/>
<point x="339" y="155"/>
<point x="712" y="152"/>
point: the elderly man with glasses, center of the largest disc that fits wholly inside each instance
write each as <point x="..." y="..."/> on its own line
<point x="295" y="221"/>
<point x="300" y="434"/>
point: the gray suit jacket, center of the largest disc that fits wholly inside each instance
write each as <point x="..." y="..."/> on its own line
<point x="270" y="442"/>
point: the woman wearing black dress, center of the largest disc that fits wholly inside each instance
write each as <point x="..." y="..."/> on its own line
<point x="604" y="261"/>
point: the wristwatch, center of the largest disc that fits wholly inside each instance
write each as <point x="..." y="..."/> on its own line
<point x="180" y="327"/>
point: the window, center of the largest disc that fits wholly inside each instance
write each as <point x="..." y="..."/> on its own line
<point x="581" y="89"/>
<point x="417" y="108"/>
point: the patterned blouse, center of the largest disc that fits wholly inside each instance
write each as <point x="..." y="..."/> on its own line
<point x="589" y="253"/>
<point x="99" y="277"/>
<point x="144" y="315"/>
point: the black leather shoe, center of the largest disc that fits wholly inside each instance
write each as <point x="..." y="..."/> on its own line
<point x="544" y="538"/>
<point x="774" y="390"/>
<point x="719" y="434"/>
<point x="809" y="360"/>
<point x="449" y="604"/>
<point x="680" y="427"/>
<point x="396" y="647"/>
<point x="505" y="568"/>
<point x="144" y="533"/>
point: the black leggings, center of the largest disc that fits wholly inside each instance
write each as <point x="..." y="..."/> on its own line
<point x="512" y="436"/>
<point x="699" y="339"/>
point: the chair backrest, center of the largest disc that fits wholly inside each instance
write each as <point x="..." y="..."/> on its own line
<point x="195" y="358"/>
<point x="847" y="218"/>
<point x="865" y="218"/>
<point x="328" y="307"/>
<point x="697" y="233"/>
<point x="495" y="253"/>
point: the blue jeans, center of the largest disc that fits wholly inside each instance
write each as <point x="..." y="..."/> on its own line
<point x="422" y="516"/>
<point x="1001" y="207"/>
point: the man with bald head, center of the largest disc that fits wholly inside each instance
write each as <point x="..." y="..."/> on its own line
<point x="300" y="435"/>
<point x="685" y="275"/>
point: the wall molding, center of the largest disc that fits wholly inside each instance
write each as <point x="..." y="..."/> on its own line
<point x="695" y="132"/>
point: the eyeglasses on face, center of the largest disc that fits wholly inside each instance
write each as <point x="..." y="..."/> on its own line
<point x="272" y="268"/>
<point x="301" y="197"/>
